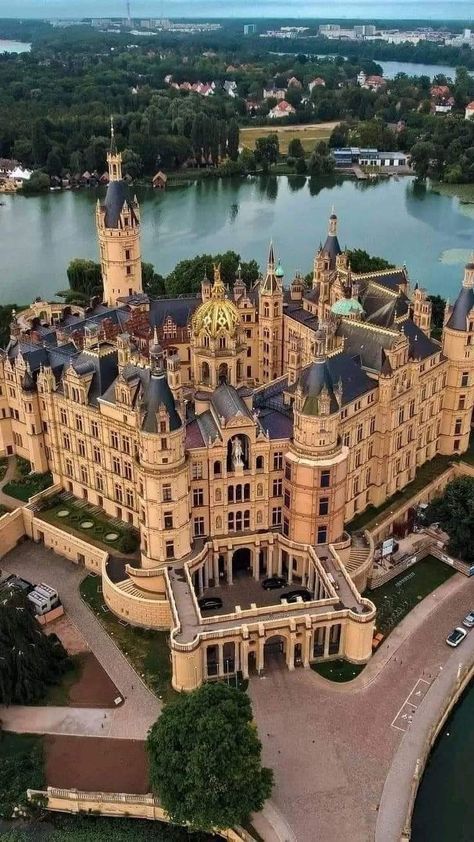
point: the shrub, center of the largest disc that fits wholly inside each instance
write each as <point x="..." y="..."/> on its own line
<point x="128" y="542"/>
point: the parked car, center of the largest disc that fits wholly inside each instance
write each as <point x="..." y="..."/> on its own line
<point x="207" y="603"/>
<point x="456" y="637"/>
<point x="274" y="582"/>
<point x="292" y="596"/>
<point x="468" y="621"/>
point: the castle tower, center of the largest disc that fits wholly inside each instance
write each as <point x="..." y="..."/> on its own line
<point x="422" y="310"/>
<point x="316" y="461"/>
<point x="162" y="467"/>
<point x="218" y="344"/>
<point x="118" y="229"/>
<point x="270" y="321"/>
<point x="458" y="347"/>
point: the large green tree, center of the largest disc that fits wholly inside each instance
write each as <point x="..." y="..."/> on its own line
<point x="205" y="759"/>
<point x="454" y="510"/>
<point x="361" y="261"/>
<point x="267" y="150"/>
<point x="30" y="660"/>
<point x="188" y="274"/>
<point x="84" y="277"/>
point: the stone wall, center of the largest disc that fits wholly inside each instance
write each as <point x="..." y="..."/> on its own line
<point x="134" y="608"/>
<point x="63" y="543"/>
<point x="12" y="531"/>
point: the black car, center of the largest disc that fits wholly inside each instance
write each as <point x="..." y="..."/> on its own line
<point x="292" y="596"/>
<point x="274" y="582"/>
<point x="209" y="602"/>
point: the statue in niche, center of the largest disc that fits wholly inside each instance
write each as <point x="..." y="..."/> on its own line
<point x="237" y="453"/>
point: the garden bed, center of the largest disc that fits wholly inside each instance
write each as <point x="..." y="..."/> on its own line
<point x="147" y="650"/>
<point x="93" y="527"/>
<point x="339" y="671"/>
<point x="27" y="486"/>
<point x="86" y="685"/>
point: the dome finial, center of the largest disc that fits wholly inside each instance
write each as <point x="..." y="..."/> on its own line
<point x="218" y="288"/>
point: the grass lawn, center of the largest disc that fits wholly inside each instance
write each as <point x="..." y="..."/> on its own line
<point x="147" y="651"/>
<point x="464" y="192"/>
<point x="339" y="670"/>
<point x="424" y="475"/>
<point x="59" y="827"/>
<point x="309" y="135"/>
<point x="3" y="467"/>
<point x="396" y="598"/>
<point x="25" y="487"/>
<point x="96" y="534"/>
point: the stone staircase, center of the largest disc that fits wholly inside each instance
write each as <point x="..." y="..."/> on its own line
<point x="128" y="587"/>
<point x="360" y="551"/>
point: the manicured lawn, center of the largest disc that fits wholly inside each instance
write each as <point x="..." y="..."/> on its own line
<point x="147" y="651"/>
<point x="339" y="670"/>
<point x="424" y="475"/>
<point x="25" y="487"/>
<point x="309" y="135"/>
<point x="59" y="827"/>
<point x="126" y="540"/>
<point x="3" y="467"/>
<point x="396" y="599"/>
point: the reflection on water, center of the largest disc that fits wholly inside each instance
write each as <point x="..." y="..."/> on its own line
<point x="397" y="219"/>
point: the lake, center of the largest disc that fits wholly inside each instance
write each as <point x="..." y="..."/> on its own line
<point x="397" y="219"/>
<point x="14" y="47"/>
<point x="391" y="68"/>
<point x="444" y="808"/>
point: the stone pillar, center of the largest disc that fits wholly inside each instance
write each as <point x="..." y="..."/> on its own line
<point x="216" y="568"/>
<point x="256" y="563"/>
<point x="290" y="569"/>
<point x="260" y="654"/>
<point x="326" y="642"/>
<point x="230" y="580"/>
<point x="245" y="658"/>
<point x="200" y="580"/>
<point x="307" y="648"/>
<point x="270" y="560"/>
<point x="279" y="560"/>
<point x="237" y="655"/>
<point x="221" y="659"/>
<point x="290" y="653"/>
<point x="206" y="574"/>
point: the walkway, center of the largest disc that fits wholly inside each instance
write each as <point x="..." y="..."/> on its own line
<point x="331" y="746"/>
<point x="5" y="499"/>
<point x="141" y="708"/>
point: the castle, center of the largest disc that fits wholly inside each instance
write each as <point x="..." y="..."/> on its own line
<point x="239" y="431"/>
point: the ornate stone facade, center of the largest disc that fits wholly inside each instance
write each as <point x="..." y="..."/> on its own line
<point x="240" y="432"/>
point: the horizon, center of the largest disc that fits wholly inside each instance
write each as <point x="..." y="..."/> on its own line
<point x="424" y="10"/>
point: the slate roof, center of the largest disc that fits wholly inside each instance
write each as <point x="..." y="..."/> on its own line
<point x="157" y="392"/>
<point x="207" y="426"/>
<point x="180" y="310"/>
<point x="276" y="424"/>
<point x="365" y="345"/>
<point x="390" y="279"/>
<point x="332" y="248"/>
<point x="104" y="370"/>
<point x="227" y="402"/>
<point x="338" y="370"/>
<point x="116" y="197"/>
<point x="421" y="345"/>
<point x="462" y="306"/>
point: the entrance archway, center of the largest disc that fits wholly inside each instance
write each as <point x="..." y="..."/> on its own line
<point x="223" y="373"/>
<point x="274" y="652"/>
<point x="241" y="562"/>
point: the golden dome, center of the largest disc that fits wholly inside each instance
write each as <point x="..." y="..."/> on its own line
<point x="218" y="314"/>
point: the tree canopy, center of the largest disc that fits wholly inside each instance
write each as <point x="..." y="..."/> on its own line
<point x="30" y="660"/>
<point x="454" y="511"/>
<point x="205" y="759"/>
<point x="361" y="261"/>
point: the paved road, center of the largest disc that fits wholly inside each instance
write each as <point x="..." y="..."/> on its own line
<point x="141" y="708"/>
<point x="331" y="746"/>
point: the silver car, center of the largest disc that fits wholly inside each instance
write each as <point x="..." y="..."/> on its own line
<point x="468" y="621"/>
<point x="456" y="637"/>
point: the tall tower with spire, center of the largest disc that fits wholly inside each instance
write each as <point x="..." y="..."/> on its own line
<point x="118" y="229"/>
<point x="270" y="321"/>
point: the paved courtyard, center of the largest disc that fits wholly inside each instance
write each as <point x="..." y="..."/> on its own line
<point x="244" y="591"/>
<point x="331" y="745"/>
<point x="132" y="719"/>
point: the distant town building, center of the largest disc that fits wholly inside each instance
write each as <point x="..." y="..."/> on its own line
<point x="348" y="156"/>
<point x="295" y="83"/>
<point x="274" y="93"/>
<point x="318" y="82"/>
<point x="282" y="109"/>
<point x="250" y="28"/>
<point x="373" y="83"/>
<point x="159" y="180"/>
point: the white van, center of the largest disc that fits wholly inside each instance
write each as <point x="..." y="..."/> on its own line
<point x="44" y="598"/>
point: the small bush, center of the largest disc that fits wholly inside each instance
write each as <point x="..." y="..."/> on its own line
<point x="128" y="542"/>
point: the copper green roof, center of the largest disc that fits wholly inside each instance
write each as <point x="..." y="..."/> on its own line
<point x="346" y="307"/>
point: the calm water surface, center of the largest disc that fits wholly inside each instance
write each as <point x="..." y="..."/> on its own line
<point x="14" y="46"/>
<point x="444" y="808"/>
<point x="396" y="219"/>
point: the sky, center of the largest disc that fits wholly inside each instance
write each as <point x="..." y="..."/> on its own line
<point x="365" y="9"/>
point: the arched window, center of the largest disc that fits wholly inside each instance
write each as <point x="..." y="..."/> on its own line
<point x="205" y="373"/>
<point x="260" y="463"/>
<point x="222" y="342"/>
<point x="276" y="309"/>
<point x="266" y="310"/>
<point x="217" y="468"/>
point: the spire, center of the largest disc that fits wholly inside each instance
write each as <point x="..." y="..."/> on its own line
<point x="271" y="256"/>
<point x="114" y="158"/>
<point x="468" y="280"/>
<point x="332" y="230"/>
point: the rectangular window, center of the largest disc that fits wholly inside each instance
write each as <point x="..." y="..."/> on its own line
<point x="399" y="441"/>
<point x="114" y="440"/>
<point x="401" y="415"/>
<point x="322" y="534"/>
<point x="198" y="497"/>
<point x="196" y="470"/>
<point x="462" y="402"/>
<point x="129" y="500"/>
<point x="99" y="482"/>
<point x="276" y="516"/>
<point x="324" y="505"/>
<point x="96" y="454"/>
<point x="457" y="427"/>
<point x="360" y="432"/>
<point x="66" y="442"/>
<point x="370" y="450"/>
<point x="63" y="416"/>
<point x="346" y="439"/>
<point x="116" y="465"/>
<point x="325" y="479"/>
<point x="277" y="487"/>
<point x="198" y="525"/>
<point x="287" y="498"/>
<point x="464" y="379"/>
<point x="84" y="475"/>
<point x="81" y="446"/>
<point x="169" y="548"/>
<point x="288" y="470"/>
<point x="367" y="477"/>
<point x="94" y="429"/>
<point x="79" y="423"/>
<point x="68" y="468"/>
<point x="126" y="445"/>
<point x="164" y="444"/>
<point x="372" y="425"/>
<point x="118" y="493"/>
<point x="277" y="461"/>
<point x="166" y="493"/>
<point x="286" y="526"/>
<point x="358" y="458"/>
<point x="168" y="520"/>
<point x="127" y="470"/>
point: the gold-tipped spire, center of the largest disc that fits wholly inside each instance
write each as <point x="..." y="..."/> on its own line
<point x="218" y="288"/>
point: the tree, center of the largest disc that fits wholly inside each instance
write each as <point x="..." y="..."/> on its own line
<point x="38" y="183"/>
<point x="54" y="165"/>
<point x="188" y="274"/>
<point x="153" y="283"/>
<point x="205" y="759"/>
<point x="40" y="143"/>
<point x="233" y="135"/>
<point x="438" y="305"/>
<point x="247" y="160"/>
<point x="422" y="155"/>
<point x="85" y="277"/>
<point x="132" y="163"/>
<point x="361" y="261"/>
<point x="295" y="148"/>
<point x="454" y="510"/>
<point x="31" y="660"/>
<point x="267" y="150"/>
